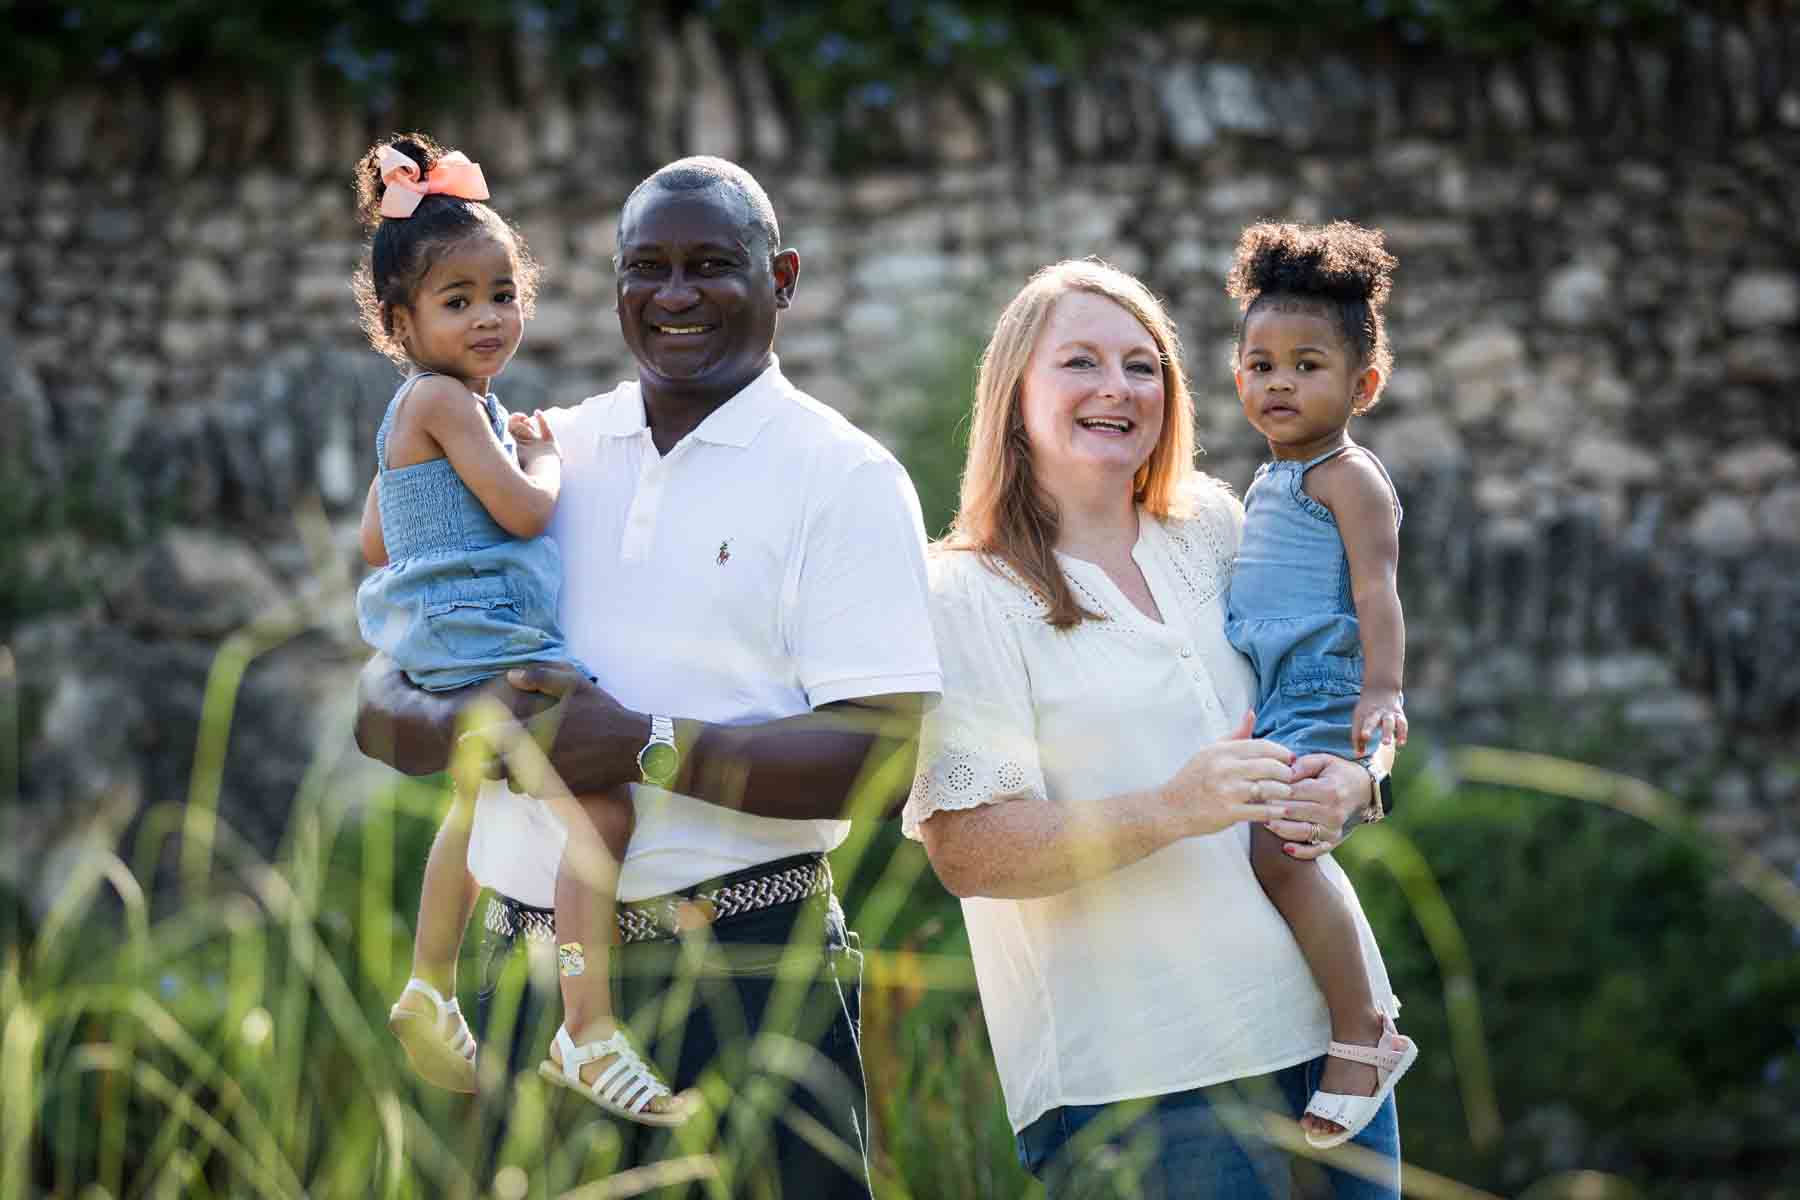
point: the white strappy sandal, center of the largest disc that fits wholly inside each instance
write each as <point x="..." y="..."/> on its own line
<point x="624" y="1088"/>
<point x="439" y="1045"/>
<point x="1391" y="1056"/>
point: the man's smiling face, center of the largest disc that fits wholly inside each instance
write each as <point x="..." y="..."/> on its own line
<point x="698" y="289"/>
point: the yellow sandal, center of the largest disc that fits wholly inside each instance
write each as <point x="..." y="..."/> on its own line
<point x="439" y="1045"/>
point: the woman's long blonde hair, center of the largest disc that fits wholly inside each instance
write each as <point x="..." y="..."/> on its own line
<point x="1003" y="514"/>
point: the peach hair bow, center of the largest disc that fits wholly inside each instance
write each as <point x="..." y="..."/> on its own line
<point x="452" y="175"/>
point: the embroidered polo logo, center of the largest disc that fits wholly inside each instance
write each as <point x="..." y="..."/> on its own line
<point x="724" y="552"/>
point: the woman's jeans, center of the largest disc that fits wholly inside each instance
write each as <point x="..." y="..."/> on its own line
<point x="1188" y="1144"/>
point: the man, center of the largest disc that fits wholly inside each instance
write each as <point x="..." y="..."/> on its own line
<point x="744" y="572"/>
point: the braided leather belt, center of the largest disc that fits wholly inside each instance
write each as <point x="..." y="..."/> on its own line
<point x="662" y="917"/>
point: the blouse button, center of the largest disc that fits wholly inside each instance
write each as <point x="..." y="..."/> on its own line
<point x="1187" y="652"/>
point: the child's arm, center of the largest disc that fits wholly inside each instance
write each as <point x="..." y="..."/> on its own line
<point x="1362" y="501"/>
<point x="374" y="547"/>
<point x="520" y="497"/>
<point x="539" y="454"/>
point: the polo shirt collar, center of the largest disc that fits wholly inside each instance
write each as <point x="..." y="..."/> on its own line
<point x="734" y="423"/>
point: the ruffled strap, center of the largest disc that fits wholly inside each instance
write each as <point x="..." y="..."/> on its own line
<point x="393" y="411"/>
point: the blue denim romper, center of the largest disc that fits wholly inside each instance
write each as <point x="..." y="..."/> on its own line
<point x="1290" y="611"/>
<point x="461" y="599"/>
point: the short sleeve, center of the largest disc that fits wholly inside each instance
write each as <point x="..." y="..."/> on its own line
<point x="860" y="624"/>
<point x="979" y="744"/>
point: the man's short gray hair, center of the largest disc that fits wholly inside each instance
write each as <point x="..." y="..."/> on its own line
<point x="704" y="172"/>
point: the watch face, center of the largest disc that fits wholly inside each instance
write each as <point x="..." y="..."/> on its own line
<point x="658" y="761"/>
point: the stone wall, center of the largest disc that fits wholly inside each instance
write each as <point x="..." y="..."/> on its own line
<point x="1592" y="417"/>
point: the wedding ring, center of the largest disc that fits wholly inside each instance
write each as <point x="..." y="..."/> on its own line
<point x="1318" y="833"/>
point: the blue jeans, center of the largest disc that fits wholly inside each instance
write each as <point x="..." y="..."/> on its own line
<point x="1180" y="1145"/>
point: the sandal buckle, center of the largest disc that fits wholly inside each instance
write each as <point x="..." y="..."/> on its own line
<point x="695" y="913"/>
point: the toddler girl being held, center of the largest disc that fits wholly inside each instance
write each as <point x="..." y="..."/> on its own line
<point x="467" y="588"/>
<point x="1313" y="601"/>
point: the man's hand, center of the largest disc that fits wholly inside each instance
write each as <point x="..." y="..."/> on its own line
<point x="802" y="767"/>
<point x="557" y="681"/>
<point x="591" y="741"/>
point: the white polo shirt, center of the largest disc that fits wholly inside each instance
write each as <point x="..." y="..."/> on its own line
<point x="771" y="563"/>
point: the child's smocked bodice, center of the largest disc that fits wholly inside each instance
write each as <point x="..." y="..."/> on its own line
<point x="426" y="508"/>
<point x="1291" y="611"/>
<point x="460" y="599"/>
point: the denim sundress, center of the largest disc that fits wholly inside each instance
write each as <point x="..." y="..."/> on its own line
<point x="461" y="599"/>
<point x="1291" y="612"/>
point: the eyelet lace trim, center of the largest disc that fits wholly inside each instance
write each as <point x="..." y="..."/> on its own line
<point x="1202" y="560"/>
<point x="1030" y="607"/>
<point x="958" y="778"/>
<point x="1026" y="604"/>
<point x="1089" y="600"/>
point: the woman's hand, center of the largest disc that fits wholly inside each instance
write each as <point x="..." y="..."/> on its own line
<point x="1028" y="846"/>
<point x="1329" y="795"/>
<point x="1236" y="779"/>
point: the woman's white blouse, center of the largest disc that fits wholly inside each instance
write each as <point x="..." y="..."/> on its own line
<point x="1174" y="972"/>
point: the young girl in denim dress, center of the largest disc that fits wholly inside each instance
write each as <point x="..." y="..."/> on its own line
<point x="467" y="588"/>
<point x="1313" y="602"/>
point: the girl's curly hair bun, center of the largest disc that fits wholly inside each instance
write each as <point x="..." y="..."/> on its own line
<point x="1344" y="266"/>
<point x="369" y="185"/>
<point x="1339" y="261"/>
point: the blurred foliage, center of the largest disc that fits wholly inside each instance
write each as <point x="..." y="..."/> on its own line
<point x="1639" y="1013"/>
<point x="931" y="434"/>
<point x="828" y="54"/>
<point x="59" y="538"/>
<point x="1643" y="1013"/>
<point x="1631" y="1010"/>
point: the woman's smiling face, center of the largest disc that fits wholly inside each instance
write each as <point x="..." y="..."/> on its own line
<point x="1091" y="397"/>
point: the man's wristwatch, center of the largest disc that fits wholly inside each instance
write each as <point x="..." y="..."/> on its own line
<point x="659" y="760"/>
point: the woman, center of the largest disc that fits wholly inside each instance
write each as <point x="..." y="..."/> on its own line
<point x="1085" y="782"/>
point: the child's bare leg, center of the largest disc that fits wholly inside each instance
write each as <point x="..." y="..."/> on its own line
<point x="1326" y="933"/>
<point x="586" y="920"/>
<point x="427" y="1021"/>
<point x="446" y="899"/>
<point x="586" y="882"/>
<point x="448" y="895"/>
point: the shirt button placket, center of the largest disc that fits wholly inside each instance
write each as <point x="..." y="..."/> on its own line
<point x="640" y="522"/>
<point x="1202" y="679"/>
